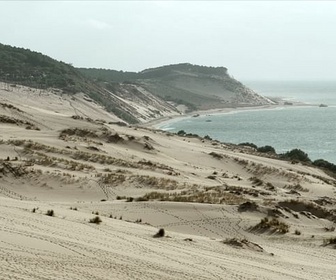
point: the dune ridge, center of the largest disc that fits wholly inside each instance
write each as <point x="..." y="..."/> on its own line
<point x="225" y="209"/>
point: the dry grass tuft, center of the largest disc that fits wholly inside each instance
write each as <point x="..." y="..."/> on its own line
<point x="273" y="226"/>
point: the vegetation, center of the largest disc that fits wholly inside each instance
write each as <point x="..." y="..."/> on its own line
<point x="33" y="69"/>
<point x="95" y="220"/>
<point x="107" y="75"/>
<point x="296" y="155"/>
<point x="22" y="66"/>
<point x="247" y="144"/>
<point x="327" y="166"/>
<point x="243" y="243"/>
<point x="172" y="83"/>
<point x="330" y="241"/>
<point x="308" y="209"/>
<point x="210" y="195"/>
<point x="103" y="75"/>
<point x="50" y="213"/>
<point x="297" y="232"/>
<point x="160" y="233"/>
<point x="216" y="155"/>
<point x="266" y="149"/>
<point x="274" y="226"/>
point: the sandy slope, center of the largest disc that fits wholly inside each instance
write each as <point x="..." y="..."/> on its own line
<point x="87" y="173"/>
<point x="36" y="246"/>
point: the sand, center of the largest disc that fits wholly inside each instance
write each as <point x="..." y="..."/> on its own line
<point x="208" y="234"/>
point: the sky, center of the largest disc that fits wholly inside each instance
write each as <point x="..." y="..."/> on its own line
<point x="255" y="40"/>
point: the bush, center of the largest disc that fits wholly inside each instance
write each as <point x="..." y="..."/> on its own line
<point x="160" y="233"/>
<point x="216" y="155"/>
<point x="95" y="220"/>
<point x="207" y="137"/>
<point x="248" y="145"/>
<point x="50" y="213"/>
<point x="296" y="154"/>
<point x="325" y="164"/>
<point x="330" y="241"/>
<point x="297" y="232"/>
<point x="248" y="206"/>
<point x="266" y="149"/>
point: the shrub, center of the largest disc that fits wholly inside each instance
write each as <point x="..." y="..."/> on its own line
<point x="325" y="164"/>
<point x="266" y="149"/>
<point x="216" y="155"/>
<point x="207" y="137"/>
<point x="330" y="241"/>
<point x="50" y="213"/>
<point x="160" y="233"/>
<point x="181" y="133"/>
<point x="308" y="209"/>
<point x="248" y="145"/>
<point x="95" y="220"/>
<point x="273" y="225"/>
<point x="140" y="199"/>
<point x="243" y="243"/>
<point x="297" y="232"/>
<point x="248" y="206"/>
<point x="296" y="154"/>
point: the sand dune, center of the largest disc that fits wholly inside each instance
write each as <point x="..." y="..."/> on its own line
<point x="65" y="154"/>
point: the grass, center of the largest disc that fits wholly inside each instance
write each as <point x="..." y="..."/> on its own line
<point x="307" y="207"/>
<point x="214" y="195"/>
<point x="155" y="182"/>
<point x="36" y="149"/>
<point x="243" y="243"/>
<point x="296" y="187"/>
<point x="274" y="226"/>
<point x="256" y="181"/>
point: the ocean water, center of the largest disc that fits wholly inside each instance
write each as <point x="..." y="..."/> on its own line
<point x="309" y="128"/>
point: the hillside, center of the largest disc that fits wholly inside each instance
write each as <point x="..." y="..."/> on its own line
<point x="133" y="97"/>
<point x="83" y="197"/>
<point x="197" y="87"/>
<point x="131" y="103"/>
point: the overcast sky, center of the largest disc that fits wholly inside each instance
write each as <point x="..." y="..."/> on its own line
<point x="255" y="40"/>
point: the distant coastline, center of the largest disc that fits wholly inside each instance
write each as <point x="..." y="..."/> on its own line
<point x="158" y="123"/>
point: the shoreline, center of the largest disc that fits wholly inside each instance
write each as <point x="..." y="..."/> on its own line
<point x="158" y="123"/>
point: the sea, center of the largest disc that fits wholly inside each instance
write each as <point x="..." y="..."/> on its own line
<point x="310" y="128"/>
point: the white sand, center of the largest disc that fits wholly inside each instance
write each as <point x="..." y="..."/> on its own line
<point x="66" y="246"/>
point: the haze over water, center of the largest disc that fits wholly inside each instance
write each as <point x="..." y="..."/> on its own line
<point x="310" y="128"/>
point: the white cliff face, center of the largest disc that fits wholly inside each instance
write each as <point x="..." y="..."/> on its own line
<point x="142" y="104"/>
